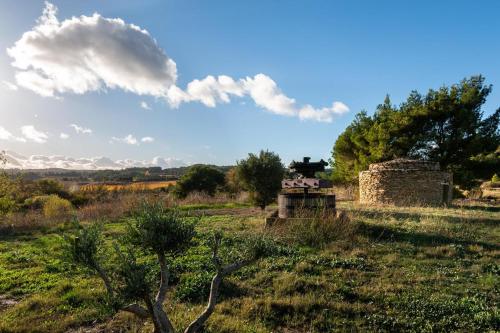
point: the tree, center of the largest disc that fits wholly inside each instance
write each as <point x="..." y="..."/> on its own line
<point x="200" y="178"/>
<point x="445" y="125"/>
<point x="3" y="158"/>
<point x="261" y="175"/>
<point x="130" y="282"/>
<point x="233" y="183"/>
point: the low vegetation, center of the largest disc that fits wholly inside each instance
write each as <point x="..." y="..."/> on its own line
<point x="386" y="269"/>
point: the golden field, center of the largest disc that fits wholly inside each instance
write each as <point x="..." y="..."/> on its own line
<point x="135" y="186"/>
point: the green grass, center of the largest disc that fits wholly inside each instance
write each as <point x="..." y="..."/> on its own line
<point x="405" y="269"/>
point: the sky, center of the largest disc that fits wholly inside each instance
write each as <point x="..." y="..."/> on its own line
<point x="89" y="84"/>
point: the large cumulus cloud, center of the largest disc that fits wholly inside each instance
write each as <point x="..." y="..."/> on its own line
<point x="90" y="53"/>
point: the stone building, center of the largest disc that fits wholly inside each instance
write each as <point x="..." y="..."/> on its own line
<point x="404" y="182"/>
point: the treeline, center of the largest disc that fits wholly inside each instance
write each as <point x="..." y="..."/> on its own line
<point x="445" y="125"/>
<point x="123" y="175"/>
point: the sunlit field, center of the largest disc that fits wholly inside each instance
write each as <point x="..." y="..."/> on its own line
<point x="135" y="186"/>
<point x="392" y="269"/>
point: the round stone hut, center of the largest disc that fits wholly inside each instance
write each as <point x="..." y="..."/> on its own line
<point x="404" y="182"/>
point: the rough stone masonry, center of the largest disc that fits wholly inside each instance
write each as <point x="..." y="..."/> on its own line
<point x="404" y="182"/>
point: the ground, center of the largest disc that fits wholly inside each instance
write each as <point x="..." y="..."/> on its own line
<point x="401" y="269"/>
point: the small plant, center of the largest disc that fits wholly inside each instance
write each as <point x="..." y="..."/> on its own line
<point x="495" y="178"/>
<point x="162" y="232"/>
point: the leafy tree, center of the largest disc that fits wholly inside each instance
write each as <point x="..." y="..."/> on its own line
<point x="52" y="186"/>
<point x="132" y="284"/>
<point x="233" y="183"/>
<point x="445" y="125"/>
<point x="200" y="178"/>
<point x="261" y="175"/>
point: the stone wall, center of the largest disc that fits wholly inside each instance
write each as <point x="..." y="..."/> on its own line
<point x="405" y="183"/>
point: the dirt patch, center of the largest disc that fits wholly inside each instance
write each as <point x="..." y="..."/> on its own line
<point x="6" y="302"/>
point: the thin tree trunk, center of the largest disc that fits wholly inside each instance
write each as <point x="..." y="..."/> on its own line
<point x="104" y="277"/>
<point x="222" y="272"/>
<point x="162" y="290"/>
<point x="156" y="323"/>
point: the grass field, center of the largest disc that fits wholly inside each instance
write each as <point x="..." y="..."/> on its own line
<point x="135" y="186"/>
<point x="402" y="269"/>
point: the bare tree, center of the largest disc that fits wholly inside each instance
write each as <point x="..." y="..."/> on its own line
<point x="162" y="232"/>
<point x="3" y="158"/>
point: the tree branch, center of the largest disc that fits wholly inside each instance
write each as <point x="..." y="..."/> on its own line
<point x="222" y="271"/>
<point x="104" y="277"/>
<point x="162" y="291"/>
<point x="137" y="310"/>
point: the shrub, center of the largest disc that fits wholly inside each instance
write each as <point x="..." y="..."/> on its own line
<point x="55" y="207"/>
<point x="200" y="178"/>
<point x="495" y="178"/>
<point x="7" y="204"/>
<point x="164" y="234"/>
<point x="316" y="229"/>
<point x="51" y="186"/>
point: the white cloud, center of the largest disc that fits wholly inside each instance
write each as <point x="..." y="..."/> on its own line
<point x="63" y="136"/>
<point x="92" y="53"/>
<point x="80" y="129"/>
<point x="129" y="139"/>
<point x="15" y="160"/>
<point x="32" y="134"/>
<point x="261" y="88"/>
<point x="145" y="105"/>
<point x="8" y="136"/>
<point x="147" y="139"/>
<point x="10" y="85"/>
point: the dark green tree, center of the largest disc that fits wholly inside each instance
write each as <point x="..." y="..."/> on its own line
<point x="445" y="125"/>
<point x="261" y="175"/>
<point x="200" y="178"/>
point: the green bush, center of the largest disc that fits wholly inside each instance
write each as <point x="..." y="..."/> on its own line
<point x="55" y="207"/>
<point x="200" y="178"/>
<point x="7" y="205"/>
<point x="194" y="287"/>
<point x="495" y="178"/>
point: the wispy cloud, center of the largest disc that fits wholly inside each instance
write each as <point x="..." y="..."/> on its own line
<point x="129" y="139"/>
<point x="8" y="136"/>
<point x="145" y="105"/>
<point x="10" y="85"/>
<point x="81" y="130"/>
<point x="93" y="53"/>
<point x="147" y="139"/>
<point x="32" y="134"/>
<point x="63" y="136"/>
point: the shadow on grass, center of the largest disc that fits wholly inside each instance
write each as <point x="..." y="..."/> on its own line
<point x="416" y="216"/>
<point x="382" y="233"/>
<point x="479" y="208"/>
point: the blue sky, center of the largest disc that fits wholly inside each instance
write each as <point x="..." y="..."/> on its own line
<point x="317" y="52"/>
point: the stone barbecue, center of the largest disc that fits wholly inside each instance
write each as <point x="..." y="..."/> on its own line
<point x="405" y="182"/>
<point x="304" y="192"/>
